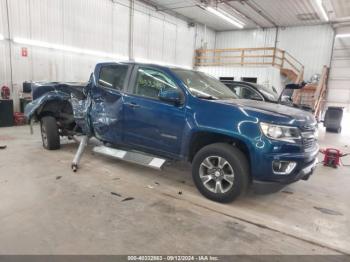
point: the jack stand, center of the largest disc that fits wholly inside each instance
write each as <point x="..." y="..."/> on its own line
<point x="83" y="143"/>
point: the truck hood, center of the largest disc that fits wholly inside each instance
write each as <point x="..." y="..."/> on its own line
<point x="296" y="116"/>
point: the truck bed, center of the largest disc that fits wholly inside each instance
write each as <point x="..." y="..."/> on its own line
<point x="41" y="88"/>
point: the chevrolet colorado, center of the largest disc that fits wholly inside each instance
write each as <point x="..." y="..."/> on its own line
<point x="185" y="115"/>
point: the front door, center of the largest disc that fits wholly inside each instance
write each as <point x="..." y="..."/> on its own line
<point x="150" y="123"/>
<point x="107" y="103"/>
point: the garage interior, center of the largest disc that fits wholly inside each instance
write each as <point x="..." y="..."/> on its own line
<point x="118" y="208"/>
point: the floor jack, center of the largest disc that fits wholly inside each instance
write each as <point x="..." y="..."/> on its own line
<point x="125" y="155"/>
<point x="332" y="157"/>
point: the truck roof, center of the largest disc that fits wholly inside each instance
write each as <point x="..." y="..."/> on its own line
<point x="143" y="64"/>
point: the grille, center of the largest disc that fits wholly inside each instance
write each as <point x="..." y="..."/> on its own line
<point x="309" y="136"/>
<point x="309" y="143"/>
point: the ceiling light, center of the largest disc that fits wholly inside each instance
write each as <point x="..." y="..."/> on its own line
<point x="223" y="15"/>
<point x="72" y="49"/>
<point x="2" y="37"/>
<point x="342" y="35"/>
<point x="321" y="8"/>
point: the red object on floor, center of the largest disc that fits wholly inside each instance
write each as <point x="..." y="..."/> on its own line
<point x="332" y="157"/>
<point x="19" y="118"/>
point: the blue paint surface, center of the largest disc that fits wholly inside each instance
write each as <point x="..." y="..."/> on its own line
<point x="166" y="129"/>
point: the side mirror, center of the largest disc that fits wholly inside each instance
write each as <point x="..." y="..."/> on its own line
<point x="295" y="86"/>
<point x="286" y="99"/>
<point x="172" y="96"/>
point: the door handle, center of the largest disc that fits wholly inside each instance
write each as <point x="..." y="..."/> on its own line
<point x="132" y="105"/>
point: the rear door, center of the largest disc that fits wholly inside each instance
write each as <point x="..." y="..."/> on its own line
<point x="107" y="101"/>
<point x="150" y="123"/>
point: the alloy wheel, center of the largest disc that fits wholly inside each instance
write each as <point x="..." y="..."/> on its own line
<point x="216" y="174"/>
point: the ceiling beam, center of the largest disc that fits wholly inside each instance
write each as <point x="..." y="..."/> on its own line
<point x="169" y="11"/>
<point x="341" y="20"/>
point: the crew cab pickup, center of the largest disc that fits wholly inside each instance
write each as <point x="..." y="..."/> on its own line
<point x="185" y="115"/>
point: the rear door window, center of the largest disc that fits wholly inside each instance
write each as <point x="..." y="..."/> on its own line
<point x="113" y="76"/>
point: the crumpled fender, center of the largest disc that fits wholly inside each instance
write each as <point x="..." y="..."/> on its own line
<point x="34" y="108"/>
<point x="80" y="108"/>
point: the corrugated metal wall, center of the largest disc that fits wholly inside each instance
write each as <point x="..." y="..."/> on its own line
<point x="101" y="25"/>
<point x="246" y="38"/>
<point x="205" y="37"/>
<point x="311" y="45"/>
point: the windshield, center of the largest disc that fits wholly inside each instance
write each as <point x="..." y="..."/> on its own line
<point x="270" y="93"/>
<point x="204" y="86"/>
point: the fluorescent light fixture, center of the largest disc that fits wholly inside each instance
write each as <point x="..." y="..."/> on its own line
<point x="65" y="48"/>
<point x="321" y="8"/>
<point x="2" y="37"/>
<point x="342" y="35"/>
<point x="228" y="18"/>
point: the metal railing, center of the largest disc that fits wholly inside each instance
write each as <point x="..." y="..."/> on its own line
<point x="254" y="57"/>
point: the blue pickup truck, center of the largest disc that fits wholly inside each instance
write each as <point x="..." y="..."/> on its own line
<point x="186" y="115"/>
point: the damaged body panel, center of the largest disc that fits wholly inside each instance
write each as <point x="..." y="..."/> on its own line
<point x="67" y="103"/>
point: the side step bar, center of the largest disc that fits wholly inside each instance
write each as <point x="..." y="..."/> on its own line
<point x="131" y="156"/>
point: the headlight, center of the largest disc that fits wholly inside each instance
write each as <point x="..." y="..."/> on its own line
<point x="282" y="133"/>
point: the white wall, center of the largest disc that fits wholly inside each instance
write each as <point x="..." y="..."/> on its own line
<point x="246" y="38"/>
<point x="267" y="76"/>
<point x="99" y="25"/>
<point x="311" y="45"/>
<point x="339" y="76"/>
<point x="205" y="37"/>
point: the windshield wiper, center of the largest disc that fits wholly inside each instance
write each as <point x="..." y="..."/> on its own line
<point x="207" y="97"/>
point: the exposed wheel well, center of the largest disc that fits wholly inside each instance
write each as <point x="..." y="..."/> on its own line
<point x="202" y="139"/>
<point x="62" y="111"/>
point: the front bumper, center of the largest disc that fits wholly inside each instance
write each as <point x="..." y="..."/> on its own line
<point x="264" y="187"/>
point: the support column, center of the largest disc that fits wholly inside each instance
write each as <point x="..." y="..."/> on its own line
<point x="131" y="29"/>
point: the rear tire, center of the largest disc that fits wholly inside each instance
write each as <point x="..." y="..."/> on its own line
<point x="49" y="133"/>
<point x="220" y="172"/>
